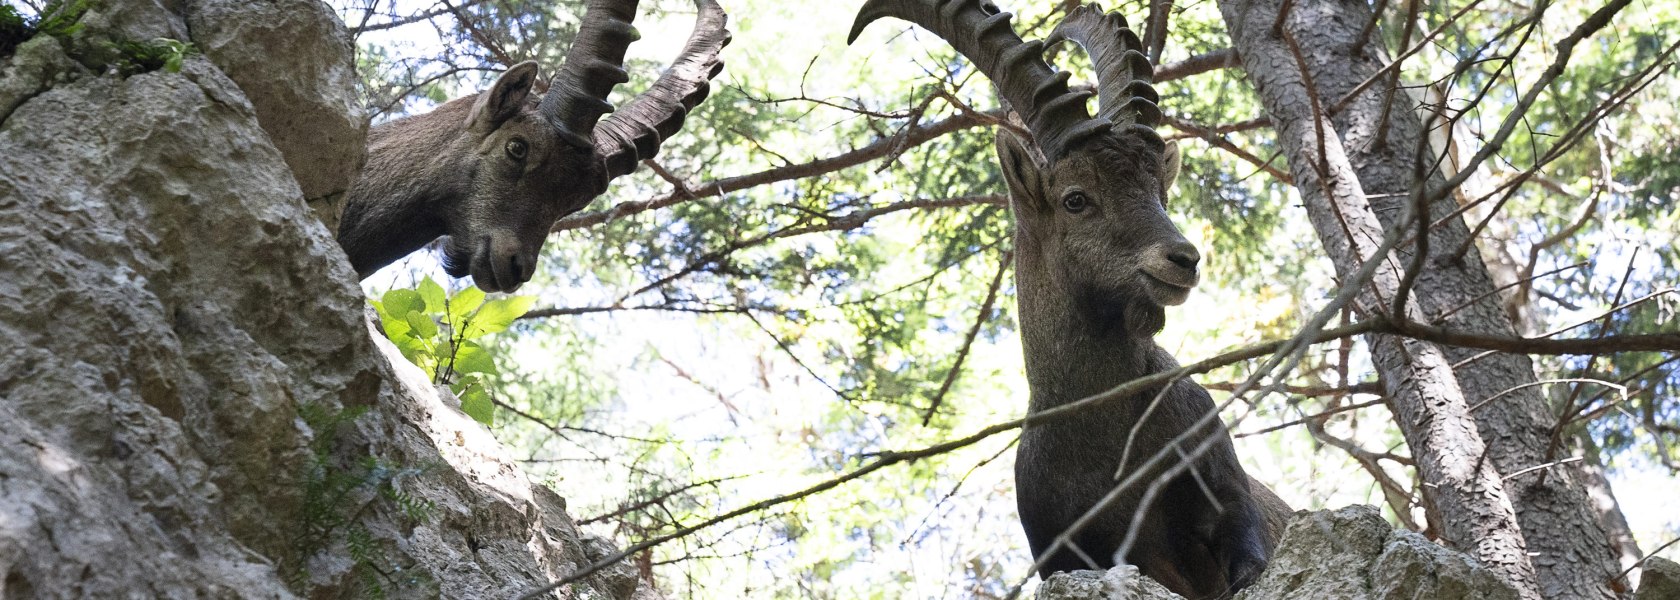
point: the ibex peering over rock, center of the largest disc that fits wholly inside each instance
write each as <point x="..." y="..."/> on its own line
<point x="496" y="170"/>
<point x="1096" y="261"/>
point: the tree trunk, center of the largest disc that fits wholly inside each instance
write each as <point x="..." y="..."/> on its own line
<point x="1355" y="172"/>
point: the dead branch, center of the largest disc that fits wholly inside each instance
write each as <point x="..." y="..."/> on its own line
<point x="984" y="315"/>
<point x="913" y="136"/>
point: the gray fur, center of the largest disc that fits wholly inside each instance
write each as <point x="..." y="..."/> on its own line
<point x="1091" y="288"/>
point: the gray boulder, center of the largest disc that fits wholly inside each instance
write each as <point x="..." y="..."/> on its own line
<point x="1119" y="583"/>
<point x="191" y="401"/>
<point x="1345" y="554"/>
<point x="1659" y="579"/>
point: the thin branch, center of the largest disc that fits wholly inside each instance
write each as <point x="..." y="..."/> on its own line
<point x="980" y="320"/>
<point x="1527" y="280"/>
<point x="479" y="35"/>
<point x="845" y="222"/>
<point x="910" y="137"/>
<point x="1303" y="420"/>
<point x="658" y="498"/>
<point x="1198" y="64"/>
<point x="409" y="20"/>
<point x="1565" y="49"/>
<point x="1365" y="387"/>
<point x="1214" y="138"/>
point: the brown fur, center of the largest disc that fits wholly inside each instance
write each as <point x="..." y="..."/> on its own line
<point x="450" y="172"/>
<point x="495" y="170"/>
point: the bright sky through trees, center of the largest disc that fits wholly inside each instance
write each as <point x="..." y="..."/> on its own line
<point x="732" y="348"/>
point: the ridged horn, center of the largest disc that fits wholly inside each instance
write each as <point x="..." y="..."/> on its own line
<point x="1124" y="74"/>
<point x="636" y="130"/>
<point x="980" y="32"/>
<point x="577" y="97"/>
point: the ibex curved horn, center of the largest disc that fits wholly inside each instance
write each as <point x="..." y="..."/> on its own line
<point x="637" y="129"/>
<point x="1124" y="94"/>
<point x="577" y="97"/>
<point x="979" y="31"/>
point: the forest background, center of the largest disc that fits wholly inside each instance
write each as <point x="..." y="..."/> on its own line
<point x="813" y="274"/>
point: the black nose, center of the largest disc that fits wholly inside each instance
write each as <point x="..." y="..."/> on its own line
<point x="1185" y="256"/>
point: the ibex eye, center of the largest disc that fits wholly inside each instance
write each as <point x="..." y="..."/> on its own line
<point x="1075" y="202"/>
<point x="516" y="149"/>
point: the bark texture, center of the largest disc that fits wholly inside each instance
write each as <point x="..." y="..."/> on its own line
<point x="1355" y="173"/>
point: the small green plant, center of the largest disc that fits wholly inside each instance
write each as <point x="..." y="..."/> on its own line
<point x="62" y="20"/>
<point x="337" y="495"/>
<point x="437" y="331"/>
<point x="159" y="53"/>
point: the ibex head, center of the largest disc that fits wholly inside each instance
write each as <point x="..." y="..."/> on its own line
<point x="1088" y="193"/>
<point x="494" y="171"/>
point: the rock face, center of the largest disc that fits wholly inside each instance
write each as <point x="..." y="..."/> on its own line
<point x="1346" y="554"/>
<point x="1660" y="580"/>
<point x="309" y="109"/>
<point x="191" y="402"/>
<point x="1118" y="583"/>
<point x="1353" y="554"/>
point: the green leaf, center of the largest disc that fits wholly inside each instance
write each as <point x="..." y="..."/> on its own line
<point x="400" y="302"/>
<point x="464" y="303"/>
<point x="424" y="326"/>
<point x="396" y="328"/>
<point x="433" y="294"/>
<point x="412" y="348"/>
<point x="472" y="358"/>
<point x="497" y="315"/>
<point x="475" y="401"/>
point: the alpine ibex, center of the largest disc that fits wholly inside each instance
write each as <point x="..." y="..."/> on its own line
<point x="494" y="171"/>
<point x="1096" y="260"/>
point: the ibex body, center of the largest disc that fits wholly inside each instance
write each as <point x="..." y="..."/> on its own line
<point x="1097" y="259"/>
<point x="494" y="171"/>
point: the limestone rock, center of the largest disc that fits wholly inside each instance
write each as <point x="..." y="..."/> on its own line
<point x="1660" y="580"/>
<point x="1118" y="583"/>
<point x="1324" y="554"/>
<point x="178" y="324"/>
<point x="1345" y="554"/>
<point x="34" y="66"/>
<point x="1413" y="567"/>
<point x="309" y="109"/>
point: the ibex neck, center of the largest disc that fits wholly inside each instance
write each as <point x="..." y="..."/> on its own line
<point x="1073" y="351"/>
<point x="402" y="198"/>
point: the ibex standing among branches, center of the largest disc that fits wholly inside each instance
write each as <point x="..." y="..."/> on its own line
<point x="496" y="170"/>
<point x="1096" y="261"/>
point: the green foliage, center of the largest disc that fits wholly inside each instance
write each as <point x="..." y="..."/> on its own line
<point x="62" y="20"/>
<point x="337" y="494"/>
<point x="159" y="53"/>
<point x="58" y="19"/>
<point x="14" y="29"/>
<point x="443" y="334"/>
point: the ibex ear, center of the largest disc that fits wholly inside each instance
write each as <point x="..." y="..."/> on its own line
<point x="1021" y="170"/>
<point x="504" y="99"/>
<point x="1171" y="162"/>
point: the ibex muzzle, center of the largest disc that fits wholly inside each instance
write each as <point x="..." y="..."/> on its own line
<point x="494" y="171"/>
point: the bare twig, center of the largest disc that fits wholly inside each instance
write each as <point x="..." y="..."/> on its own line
<point x="411" y="19"/>
<point x="984" y="315"/>
<point x="911" y="137"/>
